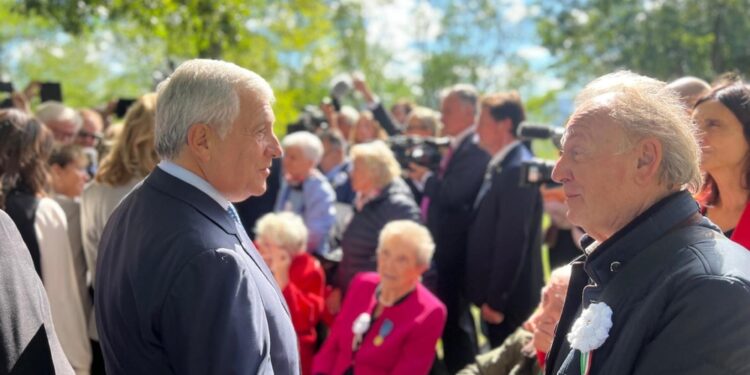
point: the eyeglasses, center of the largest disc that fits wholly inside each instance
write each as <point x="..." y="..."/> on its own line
<point x="87" y="135"/>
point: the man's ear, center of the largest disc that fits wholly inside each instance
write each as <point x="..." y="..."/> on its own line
<point x="55" y="170"/>
<point x="649" y="154"/>
<point x="507" y="125"/>
<point x="199" y="141"/>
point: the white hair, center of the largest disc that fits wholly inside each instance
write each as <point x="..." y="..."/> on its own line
<point x="378" y="160"/>
<point x="645" y="107"/>
<point x="349" y="114"/>
<point x="202" y="92"/>
<point x="50" y="111"/>
<point x="285" y="229"/>
<point x="412" y="232"/>
<point x="309" y="143"/>
<point x="466" y="93"/>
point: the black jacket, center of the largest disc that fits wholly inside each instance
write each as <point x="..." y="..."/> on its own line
<point x="680" y="295"/>
<point x="504" y="265"/>
<point x="360" y="239"/>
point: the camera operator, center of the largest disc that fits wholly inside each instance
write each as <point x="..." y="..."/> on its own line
<point x="504" y="267"/>
<point x="449" y="196"/>
<point x="423" y="122"/>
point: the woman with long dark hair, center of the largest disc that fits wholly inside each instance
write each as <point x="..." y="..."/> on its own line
<point x="723" y="116"/>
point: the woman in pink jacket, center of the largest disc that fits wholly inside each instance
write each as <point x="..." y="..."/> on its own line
<point x="389" y="323"/>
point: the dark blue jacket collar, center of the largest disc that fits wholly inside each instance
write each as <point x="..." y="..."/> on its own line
<point x="178" y="189"/>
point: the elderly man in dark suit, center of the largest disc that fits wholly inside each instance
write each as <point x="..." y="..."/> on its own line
<point x="448" y="198"/>
<point x="504" y="266"/>
<point x="660" y="289"/>
<point x="180" y="287"/>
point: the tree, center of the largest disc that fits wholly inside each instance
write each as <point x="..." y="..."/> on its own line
<point x="664" y="39"/>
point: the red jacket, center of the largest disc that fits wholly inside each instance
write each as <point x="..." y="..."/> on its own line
<point x="304" y="295"/>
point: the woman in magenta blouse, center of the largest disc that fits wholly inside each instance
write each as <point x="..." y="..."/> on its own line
<point x="389" y="323"/>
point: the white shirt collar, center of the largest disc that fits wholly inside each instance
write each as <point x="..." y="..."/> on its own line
<point x="194" y="180"/>
<point x="500" y="155"/>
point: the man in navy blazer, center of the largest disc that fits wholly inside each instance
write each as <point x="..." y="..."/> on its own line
<point x="450" y="193"/>
<point x="504" y="268"/>
<point x="180" y="287"/>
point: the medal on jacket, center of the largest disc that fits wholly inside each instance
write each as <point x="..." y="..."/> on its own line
<point x="384" y="331"/>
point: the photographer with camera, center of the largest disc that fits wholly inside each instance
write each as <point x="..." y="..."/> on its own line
<point x="504" y="267"/>
<point x="449" y="196"/>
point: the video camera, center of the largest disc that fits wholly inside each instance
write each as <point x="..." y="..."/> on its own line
<point x="424" y="151"/>
<point x="539" y="171"/>
<point x="310" y="119"/>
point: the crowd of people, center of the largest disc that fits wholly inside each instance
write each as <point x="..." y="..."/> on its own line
<point x="187" y="238"/>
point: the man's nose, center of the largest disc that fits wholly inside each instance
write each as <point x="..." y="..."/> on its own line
<point x="274" y="148"/>
<point x="559" y="172"/>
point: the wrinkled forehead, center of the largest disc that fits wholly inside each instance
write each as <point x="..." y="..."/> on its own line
<point x="589" y="124"/>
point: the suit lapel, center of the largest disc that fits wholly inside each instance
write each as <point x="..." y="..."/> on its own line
<point x="209" y="208"/>
<point x="250" y="249"/>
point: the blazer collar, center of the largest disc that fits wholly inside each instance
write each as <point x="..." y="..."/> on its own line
<point x="181" y="190"/>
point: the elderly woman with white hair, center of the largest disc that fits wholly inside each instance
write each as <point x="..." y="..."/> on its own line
<point x="381" y="197"/>
<point x="305" y="190"/>
<point x="282" y="240"/>
<point x="390" y="322"/>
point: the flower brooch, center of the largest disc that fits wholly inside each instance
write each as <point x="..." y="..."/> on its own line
<point x="359" y="328"/>
<point x="590" y="331"/>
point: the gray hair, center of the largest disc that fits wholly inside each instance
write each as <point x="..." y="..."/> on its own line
<point x="55" y="111"/>
<point x="412" y="232"/>
<point x="202" y="92"/>
<point x="379" y="161"/>
<point x="645" y="107"/>
<point x="466" y="93"/>
<point x="309" y="143"/>
<point x="349" y="114"/>
<point x="427" y="118"/>
<point x="689" y="89"/>
<point x="335" y="139"/>
<point x="285" y="229"/>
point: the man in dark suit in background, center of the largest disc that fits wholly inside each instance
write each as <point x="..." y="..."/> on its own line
<point x="504" y="267"/>
<point x="181" y="289"/>
<point x="448" y="198"/>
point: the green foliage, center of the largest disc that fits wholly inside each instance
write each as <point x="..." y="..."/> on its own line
<point x="104" y="49"/>
<point x="664" y="39"/>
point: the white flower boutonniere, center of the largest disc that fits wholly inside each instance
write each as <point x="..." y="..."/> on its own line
<point x="359" y="328"/>
<point x="591" y="329"/>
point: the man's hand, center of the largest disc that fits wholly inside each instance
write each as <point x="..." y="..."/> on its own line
<point x="417" y="172"/>
<point x="359" y="83"/>
<point x="492" y="316"/>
